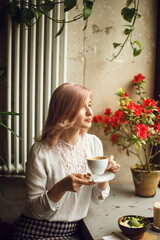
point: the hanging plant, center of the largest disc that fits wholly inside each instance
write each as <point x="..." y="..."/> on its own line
<point x="23" y="12"/>
<point x="29" y="13"/>
<point x="130" y="14"/>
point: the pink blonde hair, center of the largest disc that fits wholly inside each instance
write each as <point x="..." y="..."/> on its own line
<point x="65" y="103"/>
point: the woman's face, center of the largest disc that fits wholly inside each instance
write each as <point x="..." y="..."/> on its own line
<point x="84" y="116"/>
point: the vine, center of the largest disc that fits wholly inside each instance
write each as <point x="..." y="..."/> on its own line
<point x="29" y="13"/>
<point x="130" y="15"/>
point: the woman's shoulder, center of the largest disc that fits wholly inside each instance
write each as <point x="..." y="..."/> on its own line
<point x="39" y="154"/>
<point x="93" y="138"/>
<point x="39" y="147"/>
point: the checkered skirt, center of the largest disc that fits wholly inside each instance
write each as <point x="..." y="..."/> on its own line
<point x="35" y="229"/>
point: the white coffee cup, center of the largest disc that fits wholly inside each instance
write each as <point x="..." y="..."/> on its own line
<point x="97" y="165"/>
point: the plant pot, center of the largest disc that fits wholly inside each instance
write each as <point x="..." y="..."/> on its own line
<point x="145" y="182"/>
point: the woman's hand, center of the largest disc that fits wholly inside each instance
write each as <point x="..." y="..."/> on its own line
<point x="74" y="182"/>
<point x="71" y="183"/>
<point x="112" y="165"/>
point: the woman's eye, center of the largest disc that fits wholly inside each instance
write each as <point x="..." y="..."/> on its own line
<point x="87" y="106"/>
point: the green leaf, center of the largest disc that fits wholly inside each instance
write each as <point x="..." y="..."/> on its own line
<point x="86" y="13"/>
<point x="87" y="10"/>
<point x="8" y="113"/>
<point x="138" y="15"/>
<point x="85" y="26"/>
<point x="120" y="91"/>
<point x="69" y="4"/>
<point x="27" y="16"/>
<point x="128" y="3"/>
<point x="127" y="31"/>
<point x="128" y="13"/>
<point x="9" y="129"/>
<point x="136" y="52"/>
<point x="36" y="13"/>
<point x="138" y="43"/>
<point x="115" y="45"/>
<point x="130" y="26"/>
<point x="61" y="29"/>
<point x="48" y="6"/>
<point x="136" y="145"/>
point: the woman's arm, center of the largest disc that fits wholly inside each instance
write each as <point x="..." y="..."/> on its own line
<point x="70" y="183"/>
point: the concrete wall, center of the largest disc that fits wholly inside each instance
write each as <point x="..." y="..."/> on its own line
<point x="87" y="64"/>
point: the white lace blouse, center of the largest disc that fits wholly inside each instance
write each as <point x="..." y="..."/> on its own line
<point x="46" y="166"/>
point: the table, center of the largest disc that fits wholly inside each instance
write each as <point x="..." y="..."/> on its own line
<point x="102" y="219"/>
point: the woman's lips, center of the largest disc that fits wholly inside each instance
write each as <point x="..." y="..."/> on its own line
<point x="89" y="120"/>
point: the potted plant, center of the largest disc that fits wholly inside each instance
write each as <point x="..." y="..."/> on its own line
<point x="135" y="127"/>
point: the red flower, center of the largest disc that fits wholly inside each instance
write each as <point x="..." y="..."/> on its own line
<point x="138" y="79"/>
<point x="107" y="112"/>
<point x="97" y="119"/>
<point x="158" y="108"/>
<point x="158" y="113"/>
<point x="125" y="94"/>
<point x="157" y="127"/>
<point x="142" y="131"/>
<point x="106" y="120"/>
<point x="114" y="121"/>
<point x="119" y="115"/>
<point x="133" y="123"/>
<point x="114" y="138"/>
<point x="147" y="102"/>
<point x="137" y="110"/>
<point x="153" y="103"/>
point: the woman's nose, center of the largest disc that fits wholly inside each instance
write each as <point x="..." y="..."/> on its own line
<point x="89" y="112"/>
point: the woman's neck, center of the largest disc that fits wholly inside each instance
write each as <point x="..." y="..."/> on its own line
<point x="71" y="136"/>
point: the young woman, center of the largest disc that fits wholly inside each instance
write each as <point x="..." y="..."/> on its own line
<point x="58" y="193"/>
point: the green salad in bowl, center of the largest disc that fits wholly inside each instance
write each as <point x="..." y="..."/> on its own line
<point x="133" y="222"/>
<point x="133" y="226"/>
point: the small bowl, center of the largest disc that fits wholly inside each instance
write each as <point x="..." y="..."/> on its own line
<point x="133" y="233"/>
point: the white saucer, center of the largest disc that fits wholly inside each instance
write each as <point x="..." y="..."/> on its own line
<point x="103" y="178"/>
